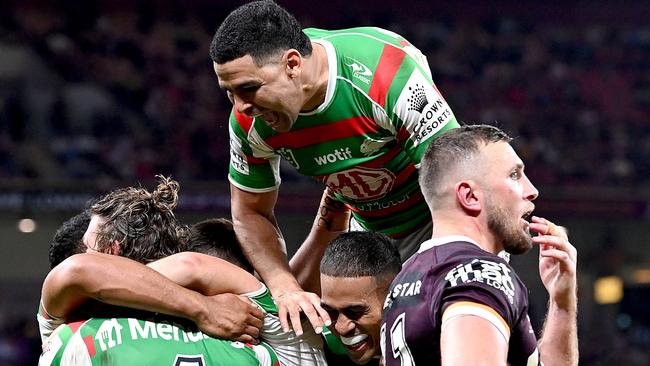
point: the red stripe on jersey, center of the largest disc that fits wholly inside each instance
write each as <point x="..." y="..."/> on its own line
<point x="44" y="313"/>
<point x="381" y="161"/>
<point x="389" y="62"/>
<point x="403" y="134"/>
<point x="253" y="160"/>
<point x="319" y="134"/>
<point x="90" y="345"/>
<point x="76" y="325"/>
<point x="244" y="121"/>
<point x="404" y="42"/>
<point x="404" y="175"/>
<point x="417" y="197"/>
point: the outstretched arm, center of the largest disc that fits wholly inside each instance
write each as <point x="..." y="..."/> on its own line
<point x="120" y="281"/>
<point x="331" y="220"/>
<point x="262" y="242"/>
<point x="557" y="268"/>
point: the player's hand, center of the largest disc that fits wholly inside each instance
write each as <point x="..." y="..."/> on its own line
<point x="231" y="317"/>
<point x="292" y="303"/>
<point x="557" y="262"/>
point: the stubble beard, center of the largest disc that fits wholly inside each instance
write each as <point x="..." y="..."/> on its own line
<point x="511" y="236"/>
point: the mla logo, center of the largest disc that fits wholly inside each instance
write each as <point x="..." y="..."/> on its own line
<point x="361" y="183"/>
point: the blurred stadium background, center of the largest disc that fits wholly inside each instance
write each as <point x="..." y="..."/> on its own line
<point x="96" y="95"/>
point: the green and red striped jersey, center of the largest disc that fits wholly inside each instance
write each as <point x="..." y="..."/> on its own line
<point x="365" y="141"/>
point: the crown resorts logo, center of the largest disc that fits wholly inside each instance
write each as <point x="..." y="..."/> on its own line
<point x="418" y="99"/>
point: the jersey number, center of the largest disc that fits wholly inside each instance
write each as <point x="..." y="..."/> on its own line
<point x="401" y="350"/>
<point x="185" y="360"/>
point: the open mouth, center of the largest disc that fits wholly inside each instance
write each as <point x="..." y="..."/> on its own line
<point x="354" y="341"/>
<point x="525" y="218"/>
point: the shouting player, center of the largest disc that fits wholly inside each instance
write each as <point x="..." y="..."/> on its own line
<point x="353" y="108"/>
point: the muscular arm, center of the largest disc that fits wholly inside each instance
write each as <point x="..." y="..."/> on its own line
<point x="262" y="242"/>
<point x="117" y="281"/>
<point x="331" y="220"/>
<point x="205" y="274"/>
<point x="557" y="268"/>
<point x="484" y="346"/>
<point x="261" y="239"/>
<point x="120" y="281"/>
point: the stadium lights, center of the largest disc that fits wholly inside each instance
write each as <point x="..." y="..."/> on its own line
<point x="608" y="290"/>
<point x="26" y="225"/>
<point x="641" y="276"/>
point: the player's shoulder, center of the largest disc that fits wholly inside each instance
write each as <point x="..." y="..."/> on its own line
<point x="356" y="38"/>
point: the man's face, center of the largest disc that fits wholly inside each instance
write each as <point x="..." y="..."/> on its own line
<point x="90" y="236"/>
<point x="508" y="198"/>
<point x="269" y="92"/>
<point x="355" y="306"/>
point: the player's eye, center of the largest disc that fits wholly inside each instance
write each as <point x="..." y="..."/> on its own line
<point x="249" y="88"/>
<point x="355" y="313"/>
<point x="516" y="175"/>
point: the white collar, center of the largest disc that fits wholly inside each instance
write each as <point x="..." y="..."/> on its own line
<point x="434" y="242"/>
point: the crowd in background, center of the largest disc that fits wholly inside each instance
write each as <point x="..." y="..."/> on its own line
<point x="128" y="91"/>
<point x="91" y="91"/>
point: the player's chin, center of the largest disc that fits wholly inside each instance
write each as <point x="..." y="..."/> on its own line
<point x="362" y="353"/>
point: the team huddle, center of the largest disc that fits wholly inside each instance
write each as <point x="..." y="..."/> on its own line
<point x="404" y="263"/>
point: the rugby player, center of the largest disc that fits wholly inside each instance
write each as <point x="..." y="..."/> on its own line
<point x="352" y="108"/>
<point x="456" y="302"/>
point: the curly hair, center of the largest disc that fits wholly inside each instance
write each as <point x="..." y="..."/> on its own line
<point x="141" y="222"/>
<point x="67" y="240"/>
<point x="260" y="29"/>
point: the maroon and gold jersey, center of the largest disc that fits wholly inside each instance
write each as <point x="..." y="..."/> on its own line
<point x="450" y="277"/>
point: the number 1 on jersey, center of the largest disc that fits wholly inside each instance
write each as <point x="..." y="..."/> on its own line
<point x="401" y="350"/>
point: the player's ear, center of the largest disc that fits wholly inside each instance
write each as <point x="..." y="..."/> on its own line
<point x="293" y="61"/>
<point x="468" y="197"/>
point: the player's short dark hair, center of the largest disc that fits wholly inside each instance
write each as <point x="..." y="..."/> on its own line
<point x="68" y="239"/>
<point x="360" y="254"/>
<point x="143" y="223"/>
<point x="453" y="147"/>
<point x="216" y="237"/>
<point x="261" y="29"/>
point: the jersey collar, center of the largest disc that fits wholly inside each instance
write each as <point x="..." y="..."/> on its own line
<point x="331" y="82"/>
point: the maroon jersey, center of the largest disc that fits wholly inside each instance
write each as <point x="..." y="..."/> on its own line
<point x="449" y="277"/>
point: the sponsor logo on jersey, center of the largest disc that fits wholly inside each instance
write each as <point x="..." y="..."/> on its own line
<point x="370" y="206"/>
<point x="338" y="155"/>
<point x="422" y="109"/>
<point x="109" y="334"/>
<point x="287" y="154"/>
<point x="238" y="161"/>
<point x="371" y="146"/>
<point x="168" y="332"/>
<point x="361" y="183"/>
<point x="359" y="70"/>
<point x="407" y="289"/>
<point x="491" y="273"/>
